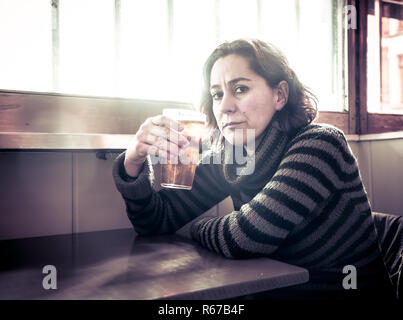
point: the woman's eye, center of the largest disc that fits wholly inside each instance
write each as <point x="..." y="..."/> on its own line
<point x="216" y="95"/>
<point x="241" y="89"/>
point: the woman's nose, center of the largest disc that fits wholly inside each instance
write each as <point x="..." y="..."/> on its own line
<point x="228" y="104"/>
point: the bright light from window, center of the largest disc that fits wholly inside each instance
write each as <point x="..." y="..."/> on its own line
<point x="156" y="49"/>
<point x="26" y="45"/>
<point x="87" y="47"/>
<point x="193" y="40"/>
<point x="314" y="59"/>
<point x="238" y="18"/>
<point x="143" y="60"/>
<point x="385" y="58"/>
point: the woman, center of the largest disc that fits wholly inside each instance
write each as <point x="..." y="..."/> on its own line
<point x="304" y="203"/>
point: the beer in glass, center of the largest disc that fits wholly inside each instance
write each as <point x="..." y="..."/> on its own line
<point x="178" y="173"/>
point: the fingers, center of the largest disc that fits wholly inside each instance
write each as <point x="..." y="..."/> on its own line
<point x="163" y="126"/>
<point x="160" y="136"/>
<point x="164" y="153"/>
<point x="164" y="121"/>
<point x="157" y="129"/>
<point x="169" y="134"/>
<point x="166" y="147"/>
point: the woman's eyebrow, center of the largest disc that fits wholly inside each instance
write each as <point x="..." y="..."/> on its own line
<point x="231" y="82"/>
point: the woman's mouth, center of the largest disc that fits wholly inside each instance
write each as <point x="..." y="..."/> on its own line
<point x="233" y="124"/>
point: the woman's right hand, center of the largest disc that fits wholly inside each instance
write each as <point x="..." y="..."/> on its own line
<point x="159" y="136"/>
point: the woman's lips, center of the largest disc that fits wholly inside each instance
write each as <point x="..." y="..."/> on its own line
<point x="233" y="124"/>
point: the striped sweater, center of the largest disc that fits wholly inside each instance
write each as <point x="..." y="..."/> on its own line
<point x="305" y="204"/>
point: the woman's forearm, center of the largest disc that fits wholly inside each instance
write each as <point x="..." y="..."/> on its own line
<point x="167" y="210"/>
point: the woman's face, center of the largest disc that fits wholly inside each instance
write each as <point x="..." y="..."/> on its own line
<point x="242" y="99"/>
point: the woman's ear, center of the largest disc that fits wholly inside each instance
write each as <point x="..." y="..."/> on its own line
<point x="282" y="94"/>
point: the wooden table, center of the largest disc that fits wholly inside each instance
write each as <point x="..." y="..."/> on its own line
<point x="118" y="264"/>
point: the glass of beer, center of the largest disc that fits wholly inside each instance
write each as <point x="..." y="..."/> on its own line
<point x="178" y="173"/>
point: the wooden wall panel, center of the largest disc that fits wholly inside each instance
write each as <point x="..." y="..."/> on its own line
<point x="378" y="123"/>
<point x="36" y="193"/>
<point x="337" y="119"/>
<point x="387" y="175"/>
<point x="52" y="113"/>
<point x="97" y="205"/>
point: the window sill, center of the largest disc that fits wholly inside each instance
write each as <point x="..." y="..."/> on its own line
<point x="375" y="136"/>
<point x="33" y="141"/>
<point x="380" y="136"/>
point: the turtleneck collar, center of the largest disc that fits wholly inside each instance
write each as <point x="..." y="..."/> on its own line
<point x="261" y="165"/>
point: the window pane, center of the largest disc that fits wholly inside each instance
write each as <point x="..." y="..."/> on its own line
<point x="193" y="40"/>
<point x="87" y="46"/>
<point x="373" y="60"/>
<point x="144" y="60"/>
<point x="237" y="19"/>
<point x="155" y="49"/>
<point x="311" y="36"/>
<point x="280" y="26"/>
<point x="26" y="45"/>
<point x="385" y="58"/>
<point x="391" y="59"/>
<point x="315" y="58"/>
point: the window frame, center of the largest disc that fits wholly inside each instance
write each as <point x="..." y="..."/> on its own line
<point x="366" y="122"/>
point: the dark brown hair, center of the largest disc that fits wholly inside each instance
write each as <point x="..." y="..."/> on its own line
<point x="268" y="62"/>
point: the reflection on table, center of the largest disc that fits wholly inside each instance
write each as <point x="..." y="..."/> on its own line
<point x="117" y="264"/>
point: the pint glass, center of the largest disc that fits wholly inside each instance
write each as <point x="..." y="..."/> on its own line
<point x="179" y="172"/>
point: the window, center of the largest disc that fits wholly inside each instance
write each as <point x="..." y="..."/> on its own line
<point x="86" y="62"/>
<point x="155" y="49"/>
<point x="375" y="67"/>
<point x="385" y="57"/>
<point x="26" y="45"/>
